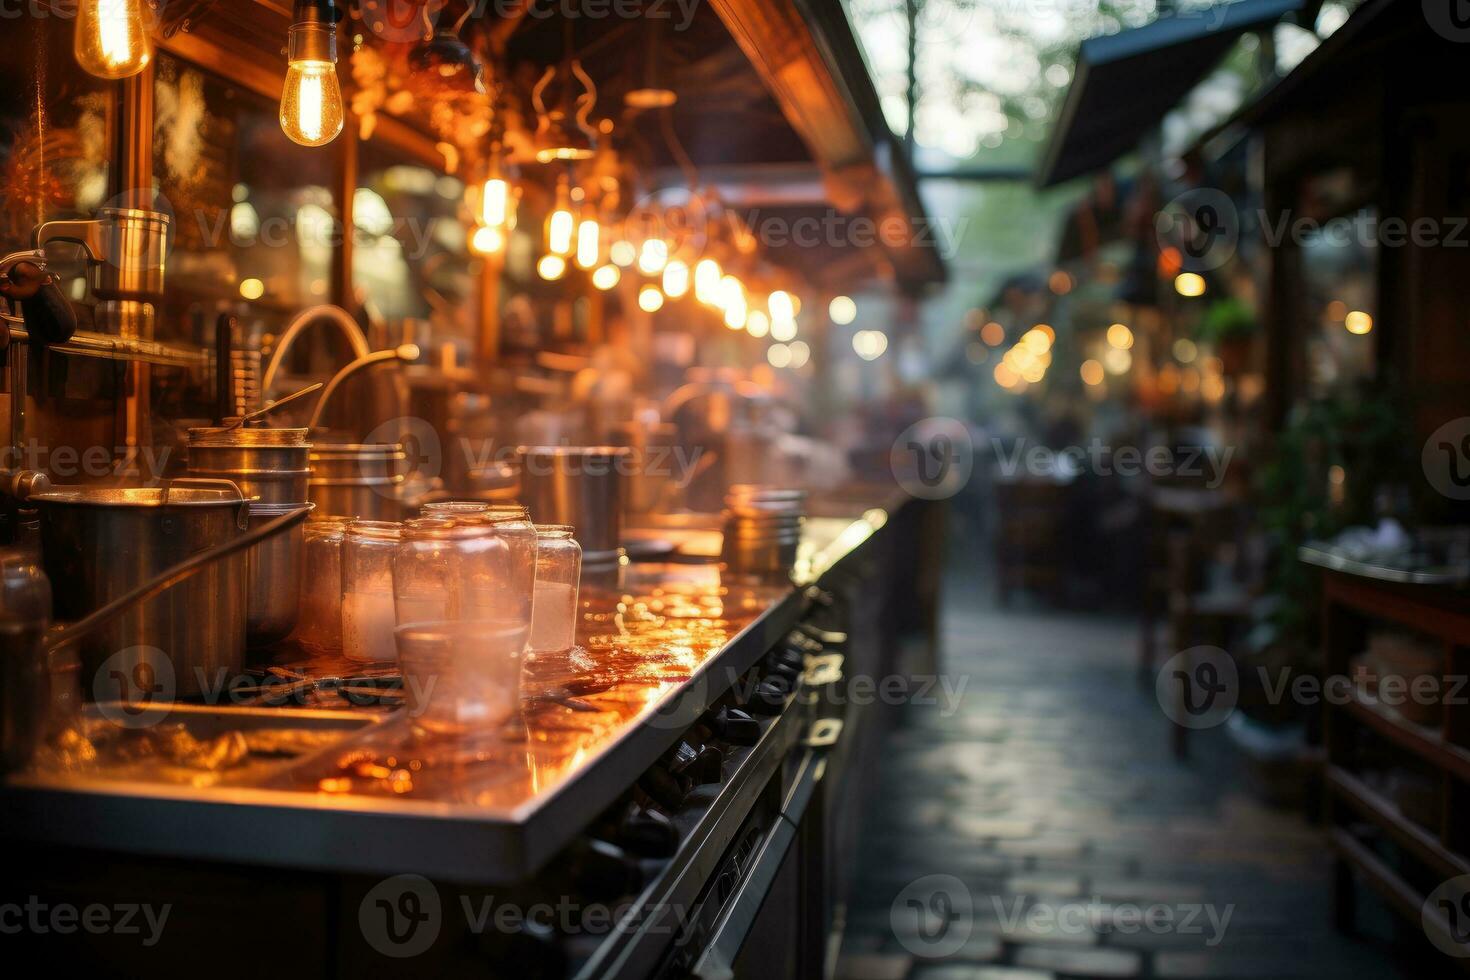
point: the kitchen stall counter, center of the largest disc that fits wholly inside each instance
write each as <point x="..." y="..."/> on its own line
<point x="362" y="794"/>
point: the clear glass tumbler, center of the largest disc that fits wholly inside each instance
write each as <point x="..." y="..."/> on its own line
<point x="319" y="624"/>
<point x="558" y="578"/>
<point x="368" y="619"/>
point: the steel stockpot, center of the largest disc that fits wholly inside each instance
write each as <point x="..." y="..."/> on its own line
<point x="363" y="482"/>
<point x="581" y="486"/>
<point x="99" y="543"/>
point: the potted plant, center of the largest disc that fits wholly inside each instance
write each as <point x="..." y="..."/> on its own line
<point x="1228" y="325"/>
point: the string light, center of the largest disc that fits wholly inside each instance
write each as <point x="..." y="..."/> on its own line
<point x="842" y="310"/>
<point x="757" y="324"/>
<point x="111" y="38"/>
<point x="606" y="277"/>
<point x="650" y="299"/>
<point x="589" y="243"/>
<point x="623" y="253"/>
<point x="653" y="256"/>
<point x="551" y="267"/>
<point x="676" y="279"/>
<point x="707" y="280"/>
<point x="311" y="101"/>
<point x="561" y="223"/>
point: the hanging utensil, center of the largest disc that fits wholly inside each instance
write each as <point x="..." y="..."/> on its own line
<point x="262" y="412"/>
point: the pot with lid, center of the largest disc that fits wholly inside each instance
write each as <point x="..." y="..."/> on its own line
<point x="101" y="542"/>
<point x="362" y="482"/>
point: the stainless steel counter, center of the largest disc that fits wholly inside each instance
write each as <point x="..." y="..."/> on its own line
<point x="652" y="657"/>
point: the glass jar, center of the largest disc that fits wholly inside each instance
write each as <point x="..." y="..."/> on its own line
<point x="558" y="577"/>
<point x="319" y="623"/>
<point x="459" y="640"/>
<point x="512" y="523"/>
<point x="453" y="509"/>
<point x="367" y="590"/>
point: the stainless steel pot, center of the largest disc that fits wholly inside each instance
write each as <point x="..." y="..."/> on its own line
<point x="98" y="543"/>
<point x="363" y="482"/>
<point x="273" y="579"/>
<point x="269" y="464"/>
<point x="577" y="485"/>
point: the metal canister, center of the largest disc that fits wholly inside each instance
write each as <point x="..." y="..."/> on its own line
<point x="581" y="486"/>
<point x="269" y="464"/>
<point x="99" y="543"/>
<point x="362" y="482"/>
<point x="273" y="573"/>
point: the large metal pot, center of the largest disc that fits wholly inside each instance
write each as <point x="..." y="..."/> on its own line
<point x="99" y="543"/>
<point x="577" y="485"/>
<point x="273" y="579"/>
<point x="364" y="482"/>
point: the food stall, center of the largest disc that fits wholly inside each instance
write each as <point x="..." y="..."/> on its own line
<point x="417" y="559"/>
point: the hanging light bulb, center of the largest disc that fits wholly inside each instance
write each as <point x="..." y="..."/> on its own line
<point x="551" y="267"/>
<point x="781" y="307"/>
<point x="653" y="257"/>
<point x="311" y="103"/>
<point x="623" y="253"/>
<point x="757" y="324"/>
<point x="732" y="298"/>
<point x="707" y="276"/>
<point x="650" y="299"/>
<point x="676" y="279"/>
<point x="589" y="243"/>
<point x="606" y="277"/>
<point x="487" y="241"/>
<point x="111" y="38"/>
<point x="561" y="223"/>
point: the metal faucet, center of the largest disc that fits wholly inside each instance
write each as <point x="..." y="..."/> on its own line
<point x="334" y="314"/>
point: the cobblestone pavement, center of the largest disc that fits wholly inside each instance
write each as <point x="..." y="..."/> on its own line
<point x="1067" y="841"/>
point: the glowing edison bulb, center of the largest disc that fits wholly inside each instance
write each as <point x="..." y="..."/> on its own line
<point x="606" y="277"/>
<point x="731" y="292"/>
<point x="487" y="241"/>
<point x="112" y="40"/>
<point x="650" y="299"/>
<point x="757" y="324"/>
<point x="653" y="257"/>
<point x="559" y="227"/>
<point x="676" y="279"/>
<point x="781" y="306"/>
<point x="734" y="303"/>
<point x="497" y="206"/>
<point x="589" y="243"/>
<point x="551" y="267"/>
<point x="623" y="253"/>
<point x="707" y="276"/>
<point x="311" y="102"/>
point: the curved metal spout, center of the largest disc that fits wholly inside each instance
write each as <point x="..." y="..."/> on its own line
<point x="304" y="319"/>
<point x="405" y="353"/>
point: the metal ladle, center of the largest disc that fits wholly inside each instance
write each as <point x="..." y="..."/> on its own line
<point x="262" y="412"/>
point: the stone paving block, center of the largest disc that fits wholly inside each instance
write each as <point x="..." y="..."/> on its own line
<point x="1045" y="886"/>
<point x="996" y="828"/>
<point x="964" y="971"/>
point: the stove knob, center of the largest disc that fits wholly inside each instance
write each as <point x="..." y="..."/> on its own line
<point x="646" y="832"/>
<point x="736" y="727"/>
<point x="768" y="698"/>
<point x="667" y="789"/>
<point x="604" y="870"/>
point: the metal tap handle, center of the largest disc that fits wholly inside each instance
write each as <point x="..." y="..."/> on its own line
<point x="87" y="234"/>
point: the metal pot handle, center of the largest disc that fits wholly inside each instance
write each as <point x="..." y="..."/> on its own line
<point x="242" y="517"/>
